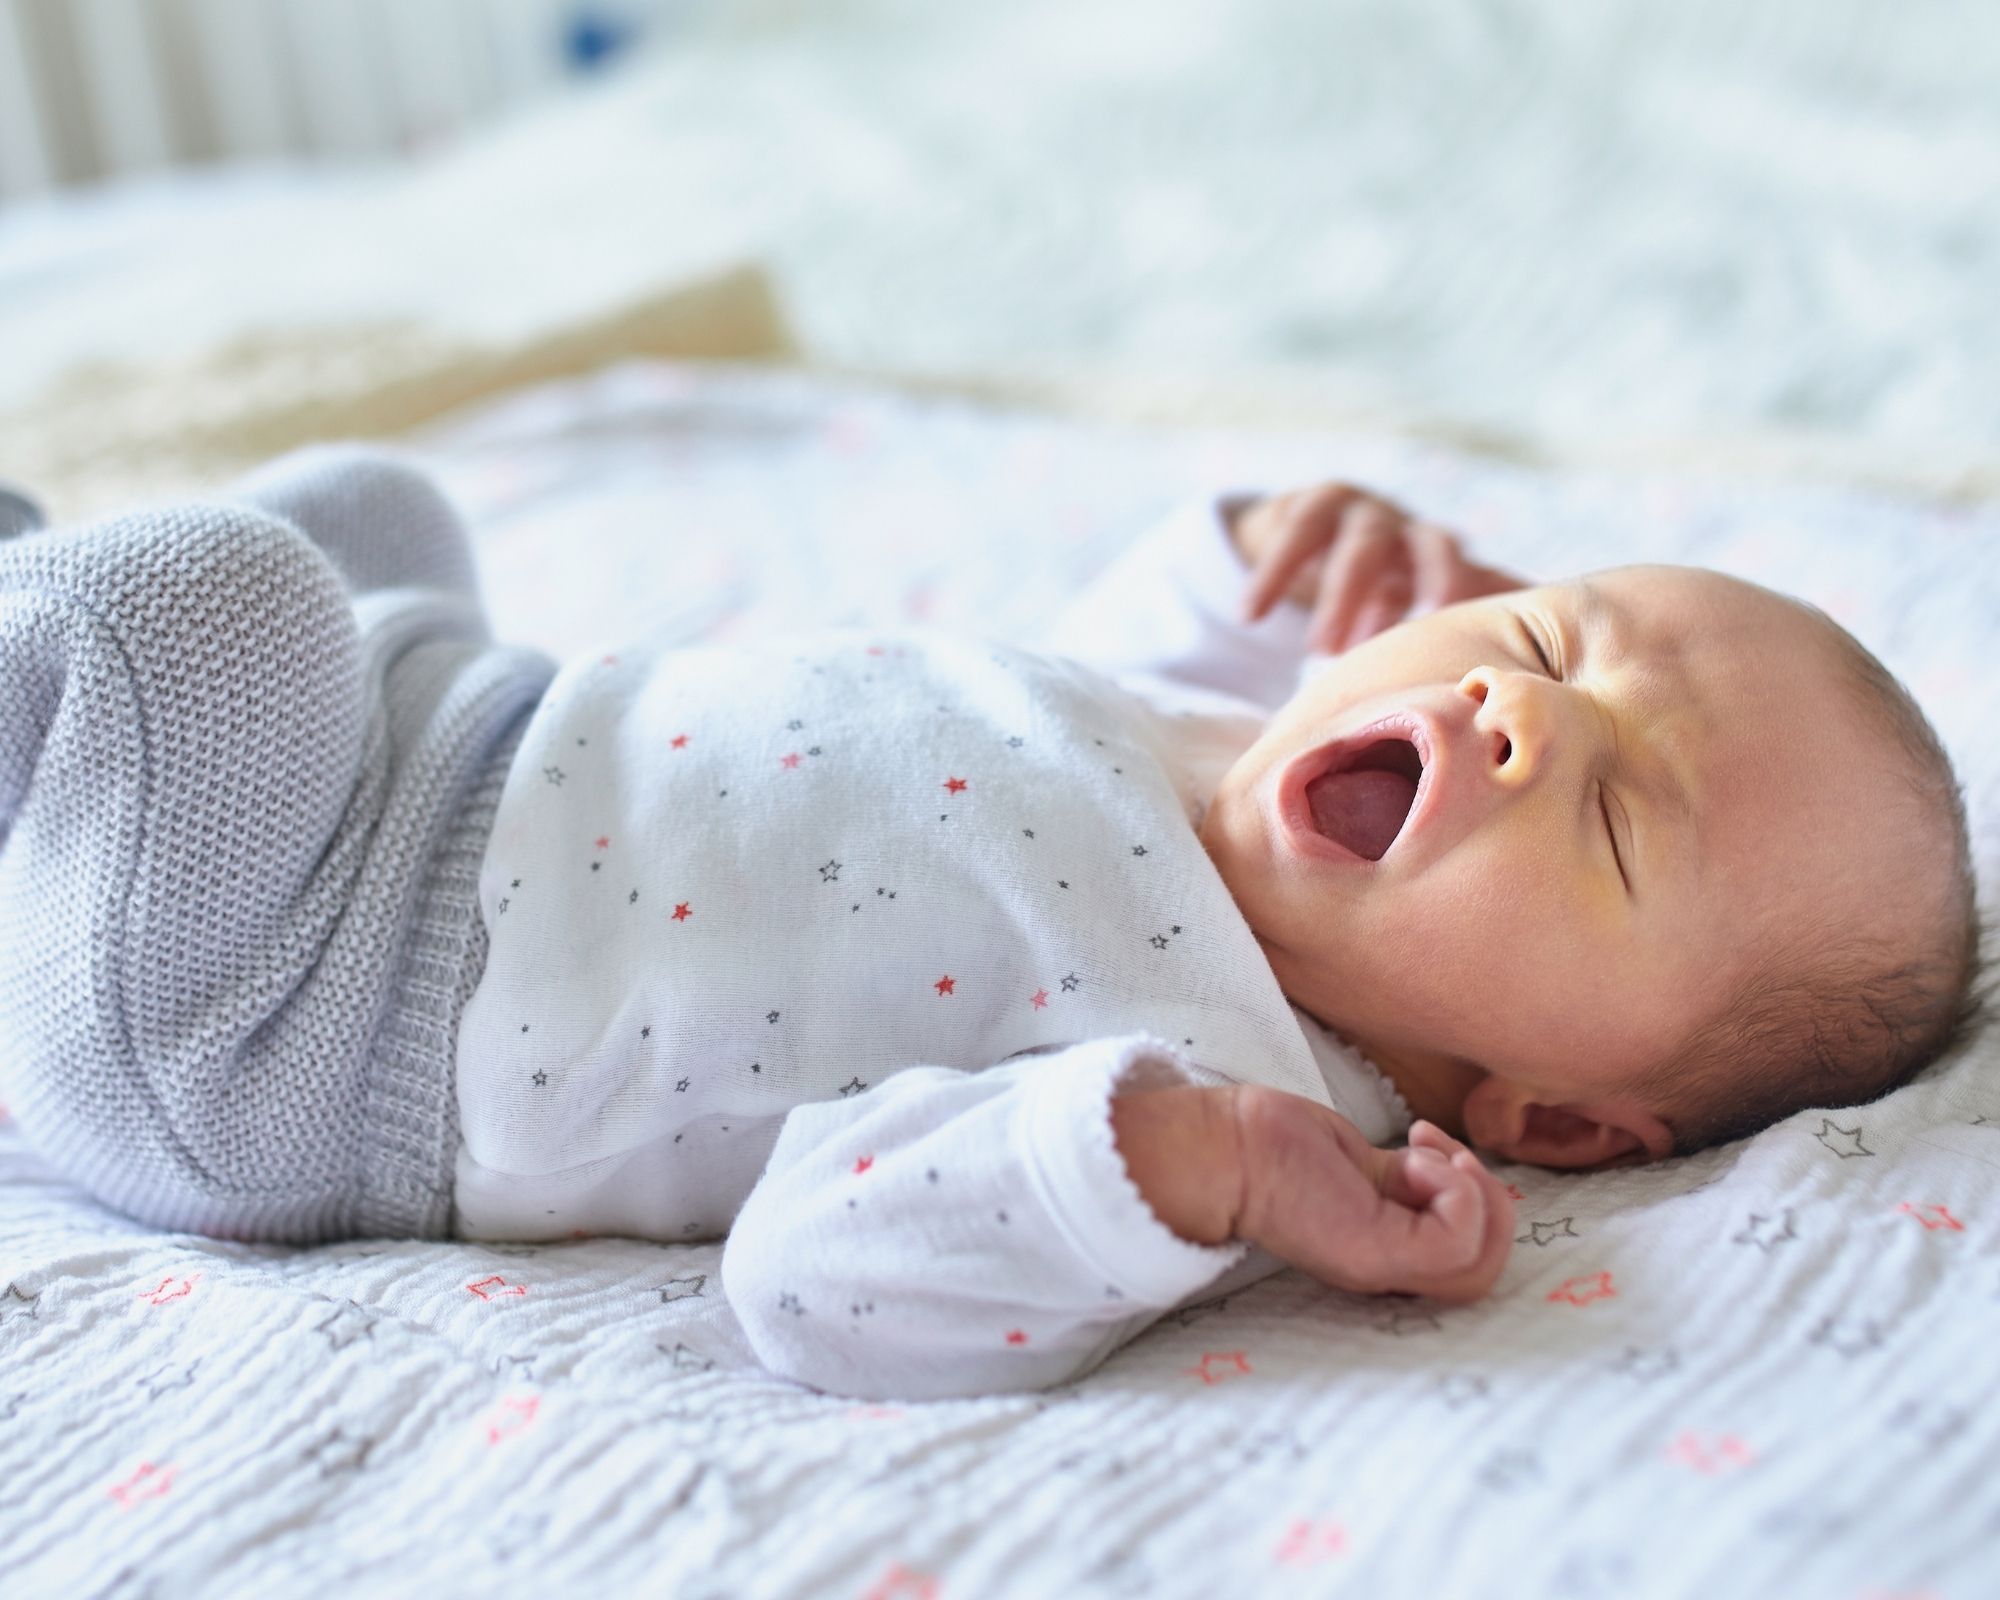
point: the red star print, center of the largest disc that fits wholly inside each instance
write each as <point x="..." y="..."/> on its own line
<point x="1222" y="1360"/>
<point x="1581" y="1291"/>
<point x="903" y="1583"/>
<point x="944" y="984"/>
<point x="169" y="1289"/>
<point x="499" y="1286"/>
<point x="603" y="842"/>
<point x="1306" y="1542"/>
<point x="1709" y="1459"/>
<point x="512" y="1416"/>
<point x="953" y="785"/>
<point x="1039" y="999"/>
<point x="611" y="661"/>
<point x="148" y="1483"/>
<point x="680" y="741"/>
<point x="1017" y="1337"/>
<point x="1941" y="1219"/>
<point x="875" y="650"/>
<point x="790" y="761"/>
<point x="681" y="912"/>
<point x="864" y="1163"/>
<point x="873" y="1412"/>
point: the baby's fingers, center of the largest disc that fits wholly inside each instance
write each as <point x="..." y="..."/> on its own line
<point x="1305" y="525"/>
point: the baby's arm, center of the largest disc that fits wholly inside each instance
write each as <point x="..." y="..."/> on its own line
<point x="955" y="1233"/>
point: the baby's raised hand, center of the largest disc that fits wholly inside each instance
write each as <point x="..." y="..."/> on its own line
<point x="1427" y="1220"/>
<point x="1360" y="561"/>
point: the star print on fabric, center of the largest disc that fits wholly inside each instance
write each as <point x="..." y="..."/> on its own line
<point x="147" y="1483"/>
<point x="632" y="899"/>
<point x="1555" y="1230"/>
<point x="597" y="866"/>
<point x="555" y="775"/>
<point x="812" y="749"/>
<point x="17" y="1302"/>
<point x="1767" y="1233"/>
<point x="891" y="893"/>
<point x="830" y="873"/>
<point x="1138" y="849"/>
<point x="1070" y="982"/>
<point x="1030" y="832"/>
<point x="790" y="761"/>
<point x="794" y="725"/>
<point x="1062" y="883"/>
<point x="1939" y="1428"/>
<point x="853" y="1086"/>
<point x="158" y="1383"/>
<point x="1039" y="999"/>
<point x="1017" y="1336"/>
<point x="953" y="785"/>
<point x="603" y="843"/>
<point x="1581" y="1291"/>
<point x="1838" y="1142"/>
<point x="338" y="1453"/>
<point x="790" y="1302"/>
<point x="1015" y="743"/>
<point x="771" y="1016"/>
<point x="864" y="1163"/>
<point x="170" y="1289"/>
<point x="688" y="1286"/>
<point x="495" y="1287"/>
<point x="503" y="907"/>
<point x="1938" y="1217"/>
<point x="515" y="884"/>
<point x="685" y="1358"/>
<point x="1216" y="1366"/>
<point x="646" y="1032"/>
<point x="1158" y="941"/>
<point x="541" y="1078"/>
<point x="611" y="661"/>
<point x="1306" y="1543"/>
<point x="945" y="985"/>
<point x="581" y="743"/>
<point x="1401" y="1321"/>
<point x="1509" y="1470"/>
<point x="678" y="741"/>
<point x="1717" y="1453"/>
<point x="345" y="1324"/>
<point x="1459" y="1390"/>
<point x="1646" y="1365"/>
<point x="681" y="912"/>
<point x="681" y="1086"/>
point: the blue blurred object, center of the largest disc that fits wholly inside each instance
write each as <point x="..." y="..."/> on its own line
<point x="18" y="514"/>
<point x="595" y="37"/>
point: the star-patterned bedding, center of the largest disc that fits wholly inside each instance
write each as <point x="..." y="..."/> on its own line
<point x="1765" y="1370"/>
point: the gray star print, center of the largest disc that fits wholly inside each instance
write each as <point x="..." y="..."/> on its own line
<point x="1828" y="1125"/>
<point x="1555" y="1230"/>
<point x="1767" y="1233"/>
<point x="554" y="775"/>
<point x="830" y="873"/>
<point x="687" y="1287"/>
<point x="1070" y="982"/>
<point x="852" y="1086"/>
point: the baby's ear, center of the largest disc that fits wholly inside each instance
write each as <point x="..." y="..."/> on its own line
<point x="1508" y="1121"/>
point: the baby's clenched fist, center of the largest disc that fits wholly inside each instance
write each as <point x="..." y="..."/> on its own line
<point x="1429" y="1219"/>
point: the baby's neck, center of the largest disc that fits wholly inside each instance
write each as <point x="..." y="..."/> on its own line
<point x="1434" y="1087"/>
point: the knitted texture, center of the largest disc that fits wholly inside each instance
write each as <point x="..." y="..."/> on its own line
<point x="243" y="812"/>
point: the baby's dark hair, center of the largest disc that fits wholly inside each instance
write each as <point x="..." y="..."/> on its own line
<point x="1857" y="1017"/>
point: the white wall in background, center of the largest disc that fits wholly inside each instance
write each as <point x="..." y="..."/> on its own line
<point x="91" y="89"/>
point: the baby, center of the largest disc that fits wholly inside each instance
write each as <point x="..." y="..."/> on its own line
<point x="990" y="1002"/>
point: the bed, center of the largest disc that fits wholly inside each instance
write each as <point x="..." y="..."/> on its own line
<point x="1764" y="1371"/>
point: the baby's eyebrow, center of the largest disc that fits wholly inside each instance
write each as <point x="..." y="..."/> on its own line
<point x="1598" y="614"/>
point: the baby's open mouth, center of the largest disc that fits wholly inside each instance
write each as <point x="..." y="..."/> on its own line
<point x="1362" y="801"/>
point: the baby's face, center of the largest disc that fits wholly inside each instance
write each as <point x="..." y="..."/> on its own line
<point x="1596" y="849"/>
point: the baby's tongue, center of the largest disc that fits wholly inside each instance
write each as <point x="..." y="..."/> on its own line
<point x="1363" y="810"/>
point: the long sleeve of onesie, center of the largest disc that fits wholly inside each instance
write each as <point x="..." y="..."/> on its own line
<point x="957" y="1233"/>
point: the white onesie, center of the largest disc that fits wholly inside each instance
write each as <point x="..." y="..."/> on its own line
<point x="840" y="943"/>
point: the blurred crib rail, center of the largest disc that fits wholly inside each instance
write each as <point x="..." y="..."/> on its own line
<point x="96" y="88"/>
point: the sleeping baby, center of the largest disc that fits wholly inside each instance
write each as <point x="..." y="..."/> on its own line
<point x="991" y="1002"/>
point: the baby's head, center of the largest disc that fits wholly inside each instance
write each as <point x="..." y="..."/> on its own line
<point x="1673" y="857"/>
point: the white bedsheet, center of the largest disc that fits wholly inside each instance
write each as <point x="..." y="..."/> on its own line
<point x="1765" y="1371"/>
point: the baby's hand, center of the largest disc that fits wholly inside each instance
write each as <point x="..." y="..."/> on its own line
<point x="1427" y="1220"/>
<point x="1368" y="562"/>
